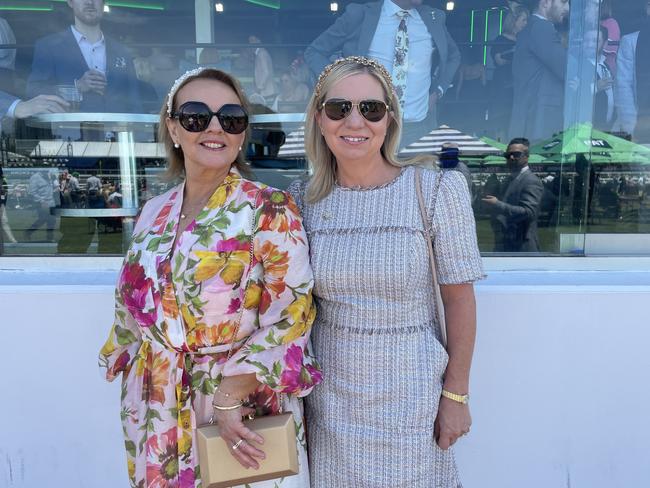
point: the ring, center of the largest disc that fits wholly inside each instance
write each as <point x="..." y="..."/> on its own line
<point x="236" y="445"/>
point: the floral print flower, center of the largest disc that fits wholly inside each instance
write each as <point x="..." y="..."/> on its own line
<point x="135" y="289"/>
<point x="298" y="376"/>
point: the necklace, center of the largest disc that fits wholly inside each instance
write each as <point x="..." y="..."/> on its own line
<point x="190" y="209"/>
<point x="370" y="187"/>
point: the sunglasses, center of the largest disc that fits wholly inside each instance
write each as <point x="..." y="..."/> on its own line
<point x="371" y="110"/>
<point x="196" y="117"/>
<point x="514" y="154"/>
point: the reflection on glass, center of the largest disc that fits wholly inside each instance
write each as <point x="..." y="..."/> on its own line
<point x="565" y="76"/>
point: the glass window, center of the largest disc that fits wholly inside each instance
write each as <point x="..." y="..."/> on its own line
<point x="82" y="83"/>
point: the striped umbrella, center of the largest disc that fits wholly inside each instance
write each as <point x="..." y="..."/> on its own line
<point x="294" y="144"/>
<point x="294" y="147"/>
<point x="433" y="141"/>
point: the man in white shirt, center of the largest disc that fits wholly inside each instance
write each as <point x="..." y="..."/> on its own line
<point x="101" y="68"/>
<point x="370" y="29"/>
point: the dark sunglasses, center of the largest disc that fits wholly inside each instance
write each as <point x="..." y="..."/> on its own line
<point x="196" y="117"/>
<point x="371" y="110"/>
<point x="514" y="154"/>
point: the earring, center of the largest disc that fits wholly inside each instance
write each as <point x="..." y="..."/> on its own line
<point x="177" y="145"/>
<point x="240" y="148"/>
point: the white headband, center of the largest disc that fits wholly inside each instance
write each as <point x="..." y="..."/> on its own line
<point x="177" y="84"/>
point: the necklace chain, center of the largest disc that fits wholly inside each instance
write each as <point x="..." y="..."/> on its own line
<point x="370" y="187"/>
<point x="192" y="208"/>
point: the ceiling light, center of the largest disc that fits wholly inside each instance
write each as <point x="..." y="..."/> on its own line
<point x="334" y="7"/>
<point x="219" y="7"/>
<point x="450" y="6"/>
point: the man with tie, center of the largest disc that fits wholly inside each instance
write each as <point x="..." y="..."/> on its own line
<point x="411" y="40"/>
<point x="514" y="215"/>
<point x="99" y="67"/>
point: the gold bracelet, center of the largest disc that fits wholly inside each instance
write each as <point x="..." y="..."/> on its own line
<point x="464" y="399"/>
<point x="224" y="409"/>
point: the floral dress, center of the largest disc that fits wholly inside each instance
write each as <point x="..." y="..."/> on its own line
<point x="176" y="311"/>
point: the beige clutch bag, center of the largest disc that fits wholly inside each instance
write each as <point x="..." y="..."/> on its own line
<point x="220" y="470"/>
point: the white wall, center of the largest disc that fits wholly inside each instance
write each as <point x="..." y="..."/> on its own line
<point x="560" y="392"/>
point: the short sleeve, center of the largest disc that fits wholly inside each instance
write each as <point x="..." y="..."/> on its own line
<point x="454" y="232"/>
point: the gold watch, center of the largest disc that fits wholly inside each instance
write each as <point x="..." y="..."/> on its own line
<point x="464" y="399"/>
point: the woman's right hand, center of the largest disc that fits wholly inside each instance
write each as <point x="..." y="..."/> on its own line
<point x="233" y="431"/>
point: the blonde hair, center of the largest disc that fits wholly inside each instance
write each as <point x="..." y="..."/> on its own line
<point x="175" y="156"/>
<point x="319" y="155"/>
<point x="512" y="18"/>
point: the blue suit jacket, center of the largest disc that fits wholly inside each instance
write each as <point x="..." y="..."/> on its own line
<point x="353" y="31"/>
<point x="58" y="59"/>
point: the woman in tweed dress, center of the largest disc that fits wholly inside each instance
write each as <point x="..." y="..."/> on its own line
<point x="380" y="418"/>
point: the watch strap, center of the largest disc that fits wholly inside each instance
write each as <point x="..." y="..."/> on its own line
<point x="464" y="399"/>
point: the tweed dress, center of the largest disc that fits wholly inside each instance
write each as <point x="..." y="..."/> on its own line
<point x="370" y="423"/>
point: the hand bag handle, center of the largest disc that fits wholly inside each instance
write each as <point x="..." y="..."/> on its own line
<point x="439" y="306"/>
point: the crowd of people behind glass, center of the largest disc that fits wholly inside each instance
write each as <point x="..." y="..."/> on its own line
<point x="515" y="86"/>
<point x="518" y="90"/>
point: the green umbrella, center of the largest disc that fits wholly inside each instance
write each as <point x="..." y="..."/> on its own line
<point x="599" y="147"/>
<point x="494" y="143"/>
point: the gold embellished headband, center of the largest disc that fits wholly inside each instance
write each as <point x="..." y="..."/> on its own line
<point x="380" y="68"/>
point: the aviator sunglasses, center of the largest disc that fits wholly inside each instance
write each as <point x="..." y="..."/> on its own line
<point x="196" y="117"/>
<point x="339" y="108"/>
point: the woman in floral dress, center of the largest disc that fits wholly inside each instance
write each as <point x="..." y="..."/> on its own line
<point x="217" y="261"/>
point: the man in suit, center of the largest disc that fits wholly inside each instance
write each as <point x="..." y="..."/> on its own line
<point x="100" y="67"/>
<point x="514" y="215"/>
<point x="633" y="73"/>
<point x="371" y="29"/>
<point x="539" y="71"/>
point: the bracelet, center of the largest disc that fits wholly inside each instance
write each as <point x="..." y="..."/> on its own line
<point x="230" y="407"/>
<point x="464" y="399"/>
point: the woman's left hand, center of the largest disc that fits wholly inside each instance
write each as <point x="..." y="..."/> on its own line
<point x="452" y="422"/>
